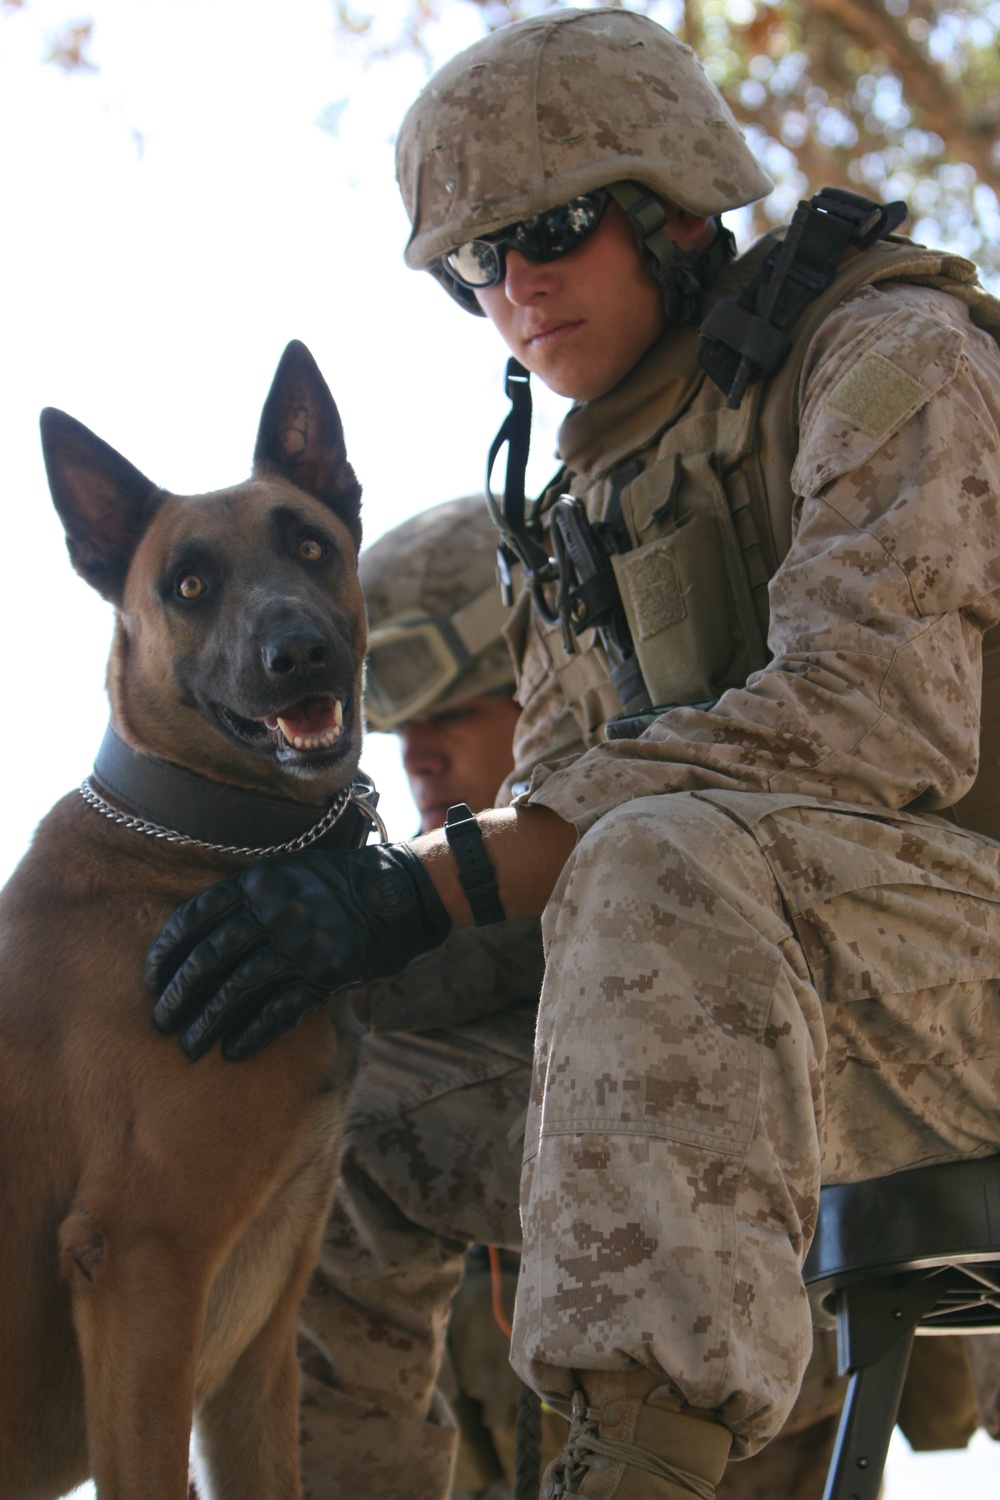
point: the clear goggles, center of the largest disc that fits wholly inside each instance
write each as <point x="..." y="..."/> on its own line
<point x="543" y="237"/>
<point x="413" y="660"/>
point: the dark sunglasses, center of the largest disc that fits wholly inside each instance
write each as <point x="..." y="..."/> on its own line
<point x="543" y="237"/>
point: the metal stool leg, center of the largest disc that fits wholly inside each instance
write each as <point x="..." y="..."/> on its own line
<point x="866" y="1424"/>
<point x="876" y="1322"/>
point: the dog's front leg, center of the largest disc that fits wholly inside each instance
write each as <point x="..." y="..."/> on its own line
<point x="138" y="1309"/>
<point x="247" y="1432"/>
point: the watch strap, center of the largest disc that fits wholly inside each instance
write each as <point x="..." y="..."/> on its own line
<point x="475" y="872"/>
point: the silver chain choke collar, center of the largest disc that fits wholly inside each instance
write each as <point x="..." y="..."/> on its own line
<point x="171" y="836"/>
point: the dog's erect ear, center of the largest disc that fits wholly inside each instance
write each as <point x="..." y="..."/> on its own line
<point x="104" y="502"/>
<point x="301" y="437"/>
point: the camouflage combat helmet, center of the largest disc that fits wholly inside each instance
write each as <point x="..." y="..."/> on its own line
<point x="434" y="613"/>
<point x="547" y="109"/>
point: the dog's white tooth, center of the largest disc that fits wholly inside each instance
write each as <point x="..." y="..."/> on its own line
<point x="314" y="741"/>
<point x="338" y="714"/>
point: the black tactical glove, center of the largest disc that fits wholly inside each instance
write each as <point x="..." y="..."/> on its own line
<point x="246" y="959"/>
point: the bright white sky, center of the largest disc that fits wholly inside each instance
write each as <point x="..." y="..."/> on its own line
<point x="171" y="221"/>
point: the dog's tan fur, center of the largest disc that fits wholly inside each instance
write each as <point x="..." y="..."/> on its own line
<point x="158" y="1218"/>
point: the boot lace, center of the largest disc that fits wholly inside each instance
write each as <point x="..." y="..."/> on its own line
<point x="585" y="1444"/>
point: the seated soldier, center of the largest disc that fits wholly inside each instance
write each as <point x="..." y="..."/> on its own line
<point x="440" y="677"/>
<point x="772" y="954"/>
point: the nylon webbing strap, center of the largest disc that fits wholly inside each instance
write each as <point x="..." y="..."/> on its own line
<point x="515" y="431"/>
<point x="475" y="873"/>
<point x="744" y="339"/>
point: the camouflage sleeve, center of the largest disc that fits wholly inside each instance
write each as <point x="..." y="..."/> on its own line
<point x="878" y="611"/>
<point x="475" y="971"/>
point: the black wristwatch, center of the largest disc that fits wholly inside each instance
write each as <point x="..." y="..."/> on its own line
<point x="479" y="883"/>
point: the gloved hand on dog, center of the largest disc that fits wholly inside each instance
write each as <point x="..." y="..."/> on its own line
<point x="246" y="959"/>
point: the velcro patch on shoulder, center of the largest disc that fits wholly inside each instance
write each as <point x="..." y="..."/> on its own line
<point x="875" y="395"/>
<point x="854" y="403"/>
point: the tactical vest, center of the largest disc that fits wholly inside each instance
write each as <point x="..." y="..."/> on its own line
<point x="707" y="507"/>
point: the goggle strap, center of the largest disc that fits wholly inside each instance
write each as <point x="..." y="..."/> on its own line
<point x="480" y="621"/>
<point x="454" y="642"/>
<point x="465" y="633"/>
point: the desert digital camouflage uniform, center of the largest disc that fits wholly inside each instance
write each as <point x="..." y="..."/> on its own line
<point x="430" y="1090"/>
<point x="435" y="1099"/>
<point x="410" y="1200"/>
<point x="765" y="968"/>
<point x="770" y="961"/>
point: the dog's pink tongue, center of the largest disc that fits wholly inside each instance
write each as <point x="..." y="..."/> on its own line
<point x="312" y="720"/>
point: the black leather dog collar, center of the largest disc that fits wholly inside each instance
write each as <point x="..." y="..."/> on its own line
<point x="215" y="812"/>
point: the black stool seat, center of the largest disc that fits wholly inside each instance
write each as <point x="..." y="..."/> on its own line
<point x="919" y="1250"/>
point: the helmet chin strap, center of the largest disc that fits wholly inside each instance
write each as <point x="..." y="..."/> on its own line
<point x="683" y="275"/>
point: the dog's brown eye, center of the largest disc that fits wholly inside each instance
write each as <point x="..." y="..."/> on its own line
<point x="311" y="549"/>
<point x="190" y="586"/>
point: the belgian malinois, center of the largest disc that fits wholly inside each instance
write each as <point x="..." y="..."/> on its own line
<point x="158" y="1218"/>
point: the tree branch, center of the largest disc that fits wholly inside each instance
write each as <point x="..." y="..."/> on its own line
<point x="970" y="135"/>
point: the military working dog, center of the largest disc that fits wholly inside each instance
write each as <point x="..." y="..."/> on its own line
<point x="158" y="1218"/>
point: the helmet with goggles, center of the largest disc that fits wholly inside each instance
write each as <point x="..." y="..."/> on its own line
<point x="435" y="614"/>
<point x="510" y="144"/>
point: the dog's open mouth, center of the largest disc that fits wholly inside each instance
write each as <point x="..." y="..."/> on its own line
<point x="317" y="727"/>
<point x="313" y="724"/>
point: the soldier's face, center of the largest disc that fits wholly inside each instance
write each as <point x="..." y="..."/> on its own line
<point x="462" y="755"/>
<point x="581" y="322"/>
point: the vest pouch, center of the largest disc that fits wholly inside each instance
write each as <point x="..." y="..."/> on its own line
<point x="584" y="679"/>
<point x="648" y="500"/>
<point x="676" y="599"/>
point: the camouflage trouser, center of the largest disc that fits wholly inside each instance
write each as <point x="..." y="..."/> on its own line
<point x="427" y="1169"/>
<point x="744" y="994"/>
<point x="700" y="949"/>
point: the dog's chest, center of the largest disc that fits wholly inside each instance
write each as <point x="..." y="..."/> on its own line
<point x="278" y="1246"/>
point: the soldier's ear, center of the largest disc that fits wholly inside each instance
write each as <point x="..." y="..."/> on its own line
<point x="688" y="231"/>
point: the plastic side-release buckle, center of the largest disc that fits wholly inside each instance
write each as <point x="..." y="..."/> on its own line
<point x="870" y="221"/>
